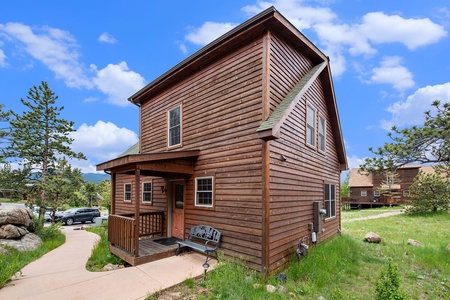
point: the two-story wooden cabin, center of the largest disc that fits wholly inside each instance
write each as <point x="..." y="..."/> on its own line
<point x="243" y="135"/>
<point x="366" y="190"/>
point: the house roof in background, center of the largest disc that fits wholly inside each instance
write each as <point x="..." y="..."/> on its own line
<point x="359" y="180"/>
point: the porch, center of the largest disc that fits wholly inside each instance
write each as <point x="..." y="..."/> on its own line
<point x="140" y="246"/>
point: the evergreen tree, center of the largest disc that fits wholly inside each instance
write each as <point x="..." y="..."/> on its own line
<point x="4" y="128"/>
<point x="429" y="143"/>
<point x="39" y="136"/>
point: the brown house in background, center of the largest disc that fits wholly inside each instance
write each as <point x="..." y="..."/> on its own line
<point x="243" y="136"/>
<point x="366" y="189"/>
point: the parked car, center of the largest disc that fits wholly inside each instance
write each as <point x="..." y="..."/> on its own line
<point x="47" y="213"/>
<point x="74" y="215"/>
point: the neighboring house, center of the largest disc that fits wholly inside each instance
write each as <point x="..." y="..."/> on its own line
<point x="366" y="190"/>
<point x="243" y="135"/>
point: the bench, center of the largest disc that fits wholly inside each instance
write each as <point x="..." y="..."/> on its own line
<point x="199" y="234"/>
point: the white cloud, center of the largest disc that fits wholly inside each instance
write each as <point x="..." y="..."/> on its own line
<point x="103" y="141"/>
<point x="382" y="28"/>
<point x="53" y="47"/>
<point x="107" y="38"/>
<point x="392" y="72"/>
<point x="301" y="16"/>
<point x="183" y="47"/>
<point x="2" y="58"/>
<point x="411" y="111"/>
<point x="208" y="32"/>
<point x="118" y="82"/>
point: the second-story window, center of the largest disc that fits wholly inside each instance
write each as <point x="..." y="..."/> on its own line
<point x="310" y="126"/>
<point x="322" y="127"/>
<point x="174" y="134"/>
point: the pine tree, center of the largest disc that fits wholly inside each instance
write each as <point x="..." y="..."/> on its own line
<point x="39" y="136"/>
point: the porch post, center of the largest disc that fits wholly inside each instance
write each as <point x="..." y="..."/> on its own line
<point x="113" y="193"/>
<point x="137" y="196"/>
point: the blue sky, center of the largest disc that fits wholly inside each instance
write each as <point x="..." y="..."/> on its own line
<point x="389" y="59"/>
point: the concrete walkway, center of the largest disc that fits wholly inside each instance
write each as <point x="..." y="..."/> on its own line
<point x="61" y="274"/>
<point x="383" y="215"/>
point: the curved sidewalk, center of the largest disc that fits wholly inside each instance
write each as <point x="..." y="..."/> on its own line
<point x="61" y="274"/>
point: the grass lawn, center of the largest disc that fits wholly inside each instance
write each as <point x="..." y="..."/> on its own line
<point x="345" y="267"/>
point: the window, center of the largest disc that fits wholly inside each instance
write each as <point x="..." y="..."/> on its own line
<point x="330" y="200"/>
<point x="322" y="133"/>
<point x="146" y="192"/>
<point x="406" y="193"/>
<point x="311" y="126"/>
<point x="363" y="193"/>
<point x="127" y="192"/>
<point x="390" y="179"/>
<point x="204" y="191"/>
<point x="174" y="134"/>
<point x="376" y="193"/>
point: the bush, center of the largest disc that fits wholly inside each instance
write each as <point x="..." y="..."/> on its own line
<point x="388" y="285"/>
<point x="428" y="192"/>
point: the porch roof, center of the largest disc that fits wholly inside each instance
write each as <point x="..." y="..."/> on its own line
<point x="157" y="164"/>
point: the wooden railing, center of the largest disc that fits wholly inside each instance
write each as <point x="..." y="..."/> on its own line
<point x="121" y="231"/>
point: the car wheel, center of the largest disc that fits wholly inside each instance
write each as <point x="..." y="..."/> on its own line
<point x="93" y="219"/>
<point x="69" y="221"/>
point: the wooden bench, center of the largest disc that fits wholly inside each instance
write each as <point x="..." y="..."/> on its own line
<point x="199" y="234"/>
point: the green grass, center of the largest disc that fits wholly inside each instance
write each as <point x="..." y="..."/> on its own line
<point x="346" y="267"/>
<point x="14" y="261"/>
<point x="100" y="253"/>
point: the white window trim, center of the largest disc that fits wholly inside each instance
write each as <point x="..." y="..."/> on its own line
<point x="143" y="192"/>
<point x="406" y="193"/>
<point x="212" y="191"/>
<point x="363" y="193"/>
<point x="331" y="200"/>
<point x="376" y="193"/>
<point x="324" y="134"/>
<point x="168" y="127"/>
<point x="315" y="126"/>
<point x="125" y="192"/>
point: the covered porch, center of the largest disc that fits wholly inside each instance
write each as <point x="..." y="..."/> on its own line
<point x="141" y="233"/>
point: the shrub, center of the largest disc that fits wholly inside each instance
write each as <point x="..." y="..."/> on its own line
<point x="429" y="192"/>
<point x="388" y="285"/>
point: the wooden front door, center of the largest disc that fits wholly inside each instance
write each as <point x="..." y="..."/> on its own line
<point x="177" y="195"/>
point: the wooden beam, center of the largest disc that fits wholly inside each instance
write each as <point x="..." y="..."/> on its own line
<point x="137" y="193"/>
<point x="113" y="193"/>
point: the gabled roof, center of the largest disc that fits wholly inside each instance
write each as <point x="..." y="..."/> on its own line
<point x="359" y="180"/>
<point x="269" y="18"/>
<point x="273" y="123"/>
<point x="132" y="150"/>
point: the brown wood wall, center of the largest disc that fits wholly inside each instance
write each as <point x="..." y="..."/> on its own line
<point x="407" y="176"/>
<point x="222" y="106"/>
<point x="298" y="181"/>
<point x="159" y="202"/>
<point x="221" y="109"/>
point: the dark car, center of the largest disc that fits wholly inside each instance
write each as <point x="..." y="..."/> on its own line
<point x="73" y="215"/>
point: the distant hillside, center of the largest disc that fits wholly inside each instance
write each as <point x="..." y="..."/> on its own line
<point x="96" y="177"/>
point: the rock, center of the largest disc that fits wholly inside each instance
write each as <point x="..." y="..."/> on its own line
<point x="256" y="286"/>
<point x="448" y="247"/>
<point x="10" y="231"/>
<point x="18" y="216"/>
<point x="270" y="288"/>
<point x="282" y="290"/>
<point x="111" y="267"/>
<point x="420" y="277"/>
<point x="372" y="237"/>
<point x="414" y="243"/>
<point x="321" y="298"/>
<point x="28" y="242"/>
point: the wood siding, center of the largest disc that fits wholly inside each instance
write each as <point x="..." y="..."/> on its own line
<point x="406" y="176"/>
<point x="221" y="109"/>
<point x="299" y="180"/>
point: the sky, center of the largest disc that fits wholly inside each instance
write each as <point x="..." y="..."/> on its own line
<point x="389" y="59"/>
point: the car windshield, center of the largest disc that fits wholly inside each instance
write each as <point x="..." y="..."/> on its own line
<point x="70" y="211"/>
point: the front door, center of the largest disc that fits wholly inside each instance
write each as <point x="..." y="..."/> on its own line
<point x="177" y="195"/>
